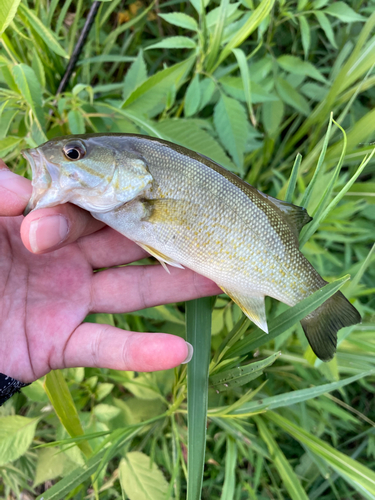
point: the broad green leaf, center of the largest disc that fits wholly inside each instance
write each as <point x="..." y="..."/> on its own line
<point x="7" y="12"/>
<point x="135" y="76"/>
<point x="198" y="333"/>
<point x="344" y="465"/>
<point x="292" y="97"/>
<point x="150" y="96"/>
<point x="305" y="35"/>
<point x="104" y="412"/>
<point x="283" y="468"/>
<point x="207" y="88"/>
<point x="344" y="12"/>
<point x="45" y="33"/>
<point x="174" y="42"/>
<point x="51" y="464"/>
<point x="272" y="115"/>
<point x="189" y="134"/>
<point x="294" y="397"/>
<point x="233" y="85"/>
<point x="76" y="122"/>
<point x="240" y="375"/>
<point x="286" y="320"/>
<point x="8" y="144"/>
<point x="140" y="478"/>
<point x="326" y="27"/>
<point x="232" y="127"/>
<point x="296" y="66"/>
<point x="58" y="392"/>
<point x="192" y="97"/>
<point x="260" y="13"/>
<point x="28" y="84"/>
<point x="181" y="20"/>
<point x="64" y="487"/>
<point x="16" y="435"/>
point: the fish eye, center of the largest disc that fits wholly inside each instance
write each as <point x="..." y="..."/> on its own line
<point x="74" y="152"/>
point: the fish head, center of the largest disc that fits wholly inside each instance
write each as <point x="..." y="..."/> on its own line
<point x="94" y="173"/>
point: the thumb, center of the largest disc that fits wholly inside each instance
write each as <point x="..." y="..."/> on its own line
<point x="15" y="192"/>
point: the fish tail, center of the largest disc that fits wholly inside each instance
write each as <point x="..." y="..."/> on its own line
<point x="321" y="325"/>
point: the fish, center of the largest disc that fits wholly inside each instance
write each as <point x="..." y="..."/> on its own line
<point x="186" y="210"/>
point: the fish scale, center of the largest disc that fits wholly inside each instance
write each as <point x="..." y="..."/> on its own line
<point x="188" y="211"/>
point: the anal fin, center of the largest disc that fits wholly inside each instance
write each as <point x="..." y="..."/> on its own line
<point x="253" y="306"/>
<point x="163" y="259"/>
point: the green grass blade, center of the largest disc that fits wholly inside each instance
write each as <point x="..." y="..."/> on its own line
<point x="240" y="375"/>
<point x="287" y="474"/>
<point x="293" y="179"/>
<point x="215" y="46"/>
<point x="230" y="470"/>
<point x="198" y="332"/>
<point x="258" y="15"/>
<point x="322" y="214"/>
<point x="307" y="194"/>
<point x="58" y="392"/>
<point x="345" y="466"/>
<point x="287" y="319"/>
<point x="294" y="397"/>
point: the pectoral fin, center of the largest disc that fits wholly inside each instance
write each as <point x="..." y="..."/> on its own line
<point x="163" y="259"/>
<point x="252" y="306"/>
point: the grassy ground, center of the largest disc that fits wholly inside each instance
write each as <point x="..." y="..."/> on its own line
<point x="251" y="85"/>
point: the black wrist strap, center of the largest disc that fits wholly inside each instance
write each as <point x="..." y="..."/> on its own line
<point x="8" y="387"/>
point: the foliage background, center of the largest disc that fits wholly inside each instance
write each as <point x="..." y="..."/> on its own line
<point x="249" y="84"/>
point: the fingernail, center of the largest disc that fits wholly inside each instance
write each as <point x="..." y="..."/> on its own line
<point x="189" y="355"/>
<point x="47" y="232"/>
<point x="15" y="184"/>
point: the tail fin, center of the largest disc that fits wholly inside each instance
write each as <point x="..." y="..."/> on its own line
<point x="321" y="326"/>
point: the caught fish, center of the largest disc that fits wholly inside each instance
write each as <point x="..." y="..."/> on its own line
<point x="188" y="211"/>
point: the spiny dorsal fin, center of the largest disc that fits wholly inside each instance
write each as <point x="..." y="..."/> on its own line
<point x="296" y="216"/>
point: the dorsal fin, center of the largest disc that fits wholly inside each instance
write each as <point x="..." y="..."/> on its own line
<point x="295" y="216"/>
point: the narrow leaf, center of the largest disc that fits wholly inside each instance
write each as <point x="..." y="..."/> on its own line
<point x="63" y="404"/>
<point x="76" y="122"/>
<point x="305" y="35"/>
<point x="294" y="397"/>
<point x="7" y="12"/>
<point x="285" y="471"/>
<point x="181" y="20"/>
<point x="30" y="89"/>
<point x="290" y="96"/>
<point x="198" y="333"/>
<point x="342" y="464"/>
<point x="296" y="66"/>
<point x="344" y="12"/>
<point x="174" y="42"/>
<point x="45" y="33"/>
<point x="240" y="375"/>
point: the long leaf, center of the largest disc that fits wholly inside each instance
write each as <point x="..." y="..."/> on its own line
<point x="198" y="330"/>
<point x="294" y="397"/>
<point x="287" y="474"/>
<point x="58" y="392"/>
<point x="345" y="466"/>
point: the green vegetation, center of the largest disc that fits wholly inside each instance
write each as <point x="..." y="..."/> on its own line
<point x="250" y="84"/>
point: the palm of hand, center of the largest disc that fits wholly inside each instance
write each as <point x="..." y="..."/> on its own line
<point x="45" y="298"/>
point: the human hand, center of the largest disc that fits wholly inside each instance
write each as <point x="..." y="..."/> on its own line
<point x="48" y="288"/>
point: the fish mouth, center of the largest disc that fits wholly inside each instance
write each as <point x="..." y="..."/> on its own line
<point x="41" y="178"/>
